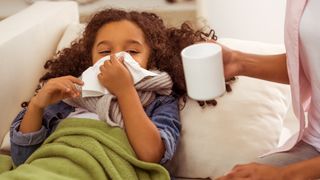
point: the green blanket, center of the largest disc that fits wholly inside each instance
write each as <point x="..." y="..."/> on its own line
<point x="5" y="163"/>
<point x="86" y="149"/>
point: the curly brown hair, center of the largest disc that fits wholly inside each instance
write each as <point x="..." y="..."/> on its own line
<point x="165" y="44"/>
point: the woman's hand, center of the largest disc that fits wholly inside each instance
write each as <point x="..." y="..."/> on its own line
<point x="266" y="67"/>
<point x="232" y="66"/>
<point x="115" y="77"/>
<point x="255" y="171"/>
<point x="57" y="89"/>
<point x="231" y="63"/>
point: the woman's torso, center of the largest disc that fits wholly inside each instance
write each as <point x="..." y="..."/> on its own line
<point x="309" y="37"/>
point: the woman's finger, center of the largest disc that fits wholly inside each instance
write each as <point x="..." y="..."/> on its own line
<point x="232" y="177"/>
<point x="240" y="174"/>
<point x="214" y="41"/>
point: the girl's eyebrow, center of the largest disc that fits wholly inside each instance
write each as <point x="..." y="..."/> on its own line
<point x="104" y="42"/>
<point x="129" y="41"/>
<point x="132" y="41"/>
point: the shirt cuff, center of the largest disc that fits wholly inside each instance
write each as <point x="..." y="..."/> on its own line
<point x="27" y="139"/>
<point x="169" y="147"/>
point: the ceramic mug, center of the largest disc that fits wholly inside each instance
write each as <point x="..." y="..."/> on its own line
<point x="203" y="71"/>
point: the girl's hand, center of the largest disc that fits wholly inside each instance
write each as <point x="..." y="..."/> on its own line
<point x="255" y="171"/>
<point x="57" y="89"/>
<point x="115" y="77"/>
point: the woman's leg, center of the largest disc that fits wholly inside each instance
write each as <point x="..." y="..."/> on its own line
<point x="301" y="151"/>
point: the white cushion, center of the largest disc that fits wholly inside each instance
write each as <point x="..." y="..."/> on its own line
<point x="5" y="146"/>
<point x="27" y="40"/>
<point x="73" y="32"/>
<point x="246" y="123"/>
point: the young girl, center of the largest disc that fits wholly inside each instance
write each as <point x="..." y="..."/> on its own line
<point x="152" y="128"/>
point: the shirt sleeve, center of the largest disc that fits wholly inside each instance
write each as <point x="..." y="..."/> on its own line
<point x="26" y="139"/>
<point x="164" y="112"/>
<point x="24" y="144"/>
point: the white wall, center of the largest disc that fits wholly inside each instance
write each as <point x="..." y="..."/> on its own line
<point x="257" y="20"/>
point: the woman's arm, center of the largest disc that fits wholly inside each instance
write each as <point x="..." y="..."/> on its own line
<point x="267" y="67"/>
<point x="308" y="169"/>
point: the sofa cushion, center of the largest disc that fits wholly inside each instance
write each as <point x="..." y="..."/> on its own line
<point x="73" y="32"/>
<point x="27" y="40"/>
<point x="245" y="124"/>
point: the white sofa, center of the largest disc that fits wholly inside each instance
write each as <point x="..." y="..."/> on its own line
<point x="248" y="122"/>
<point x="26" y="40"/>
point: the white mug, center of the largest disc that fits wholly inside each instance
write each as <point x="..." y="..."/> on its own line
<point x="203" y="71"/>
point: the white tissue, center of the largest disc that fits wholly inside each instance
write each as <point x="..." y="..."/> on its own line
<point x="92" y="86"/>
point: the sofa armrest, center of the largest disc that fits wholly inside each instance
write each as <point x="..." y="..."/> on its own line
<point x="27" y="40"/>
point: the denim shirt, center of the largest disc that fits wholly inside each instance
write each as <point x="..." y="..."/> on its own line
<point x="163" y="111"/>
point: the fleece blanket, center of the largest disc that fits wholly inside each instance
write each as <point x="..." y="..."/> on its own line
<point x="86" y="149"/>
<point x="5" y="163"/>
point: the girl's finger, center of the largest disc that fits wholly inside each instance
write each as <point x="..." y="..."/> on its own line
<point x="100" y="77"/>
<point x="75" y="80"/>
<point x="73" y="88"/>
<point x="105" y="64"/>
<point x="121" y="60"/>
<point x="62" y="90"/>
<point x="68" y="89"/>
<point x="103" y="68"/>
<point x="66" y="84"/>
<point x="113" y="58"/>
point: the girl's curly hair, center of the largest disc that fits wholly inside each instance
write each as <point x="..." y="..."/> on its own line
<point x="165" y="44"/>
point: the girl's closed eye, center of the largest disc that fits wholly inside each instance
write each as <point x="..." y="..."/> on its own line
<point x="106" y="52"/>
<point x="132" y="52"/>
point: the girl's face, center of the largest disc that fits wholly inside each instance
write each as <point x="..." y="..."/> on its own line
<point x="121" y="36"/>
